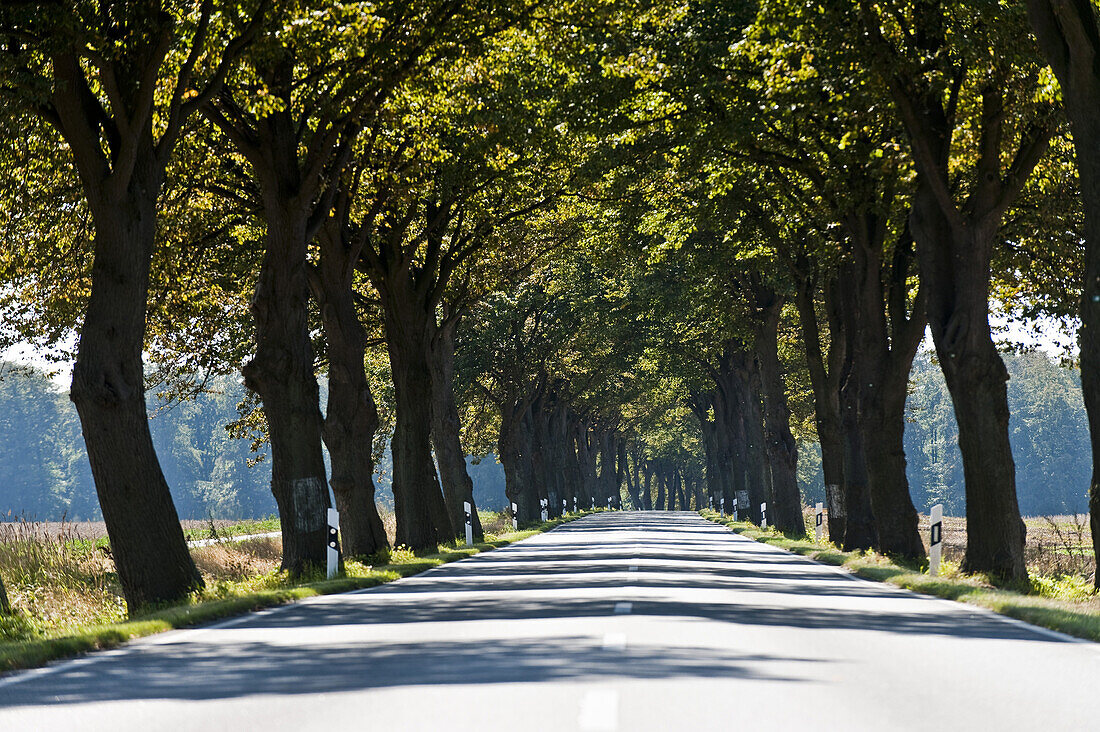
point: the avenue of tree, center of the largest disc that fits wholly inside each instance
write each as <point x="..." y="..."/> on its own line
<point x="638" y="249"/>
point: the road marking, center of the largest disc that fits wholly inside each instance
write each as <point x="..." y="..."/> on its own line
<point x="614" y="641"/>
<point x="599" y="711"/>
<point x="623" y="608"/>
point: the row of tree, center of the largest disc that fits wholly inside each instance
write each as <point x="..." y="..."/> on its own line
<point x="610" y="240"/>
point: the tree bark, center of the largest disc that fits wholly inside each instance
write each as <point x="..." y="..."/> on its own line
<point x="147" y="542"/>
<point x="513" y="447"/>
<point x="281" y="372"/>
<point x="886" y="342"/>
<point x="351" y="419"/>
<point x="825" y="371"/>
<point x="1069" y="35"/>
<point x="859" y="521"/>
<point x="5" y="605"/>
<point x="458" y="487"/>
<point x="782" y="450"/>
<point x="423" y="521"/>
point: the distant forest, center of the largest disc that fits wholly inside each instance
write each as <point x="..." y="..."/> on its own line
<point x="44" y="471"/>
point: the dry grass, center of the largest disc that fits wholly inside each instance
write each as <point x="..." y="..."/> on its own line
<point x="235" y="561"/>
<point x="1057" y="546"/>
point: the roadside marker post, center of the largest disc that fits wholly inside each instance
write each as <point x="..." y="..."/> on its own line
<point x="609" y="504"/>
<point x="734" y="509"/>
<point x="763" y="515"/>
<point x="722" y="503"/>
<point x="564" y="506"/>
<point x="469" y="523"/>
<point x="710" y="502"/>
<point x="545" y="509"/>
<point x="574" y="504"/>
<point x="515" y="517"/>
<point x="593" y="502"/>
<point x="819" y="517"/>
<point x="935" y="541"/>
<point x="333" y="542"/>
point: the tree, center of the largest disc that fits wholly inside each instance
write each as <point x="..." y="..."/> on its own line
<point x="949" y="67"/>
<point x="98" y="74"/>
<point x="1069" y="36"/>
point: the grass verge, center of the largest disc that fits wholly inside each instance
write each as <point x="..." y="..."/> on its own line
<point x="1079" y="617"/>
<point x="227" y="599"/>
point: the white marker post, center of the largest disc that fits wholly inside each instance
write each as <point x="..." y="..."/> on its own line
<point x="609" y="503"/>
<point x="515" y="517"/>
<point x="545" y="509"/>
<point x="574" y="504"/>
<point x="819" y="520"/>
<point x="564" y="506"/>
<point x="710" y="502"/>
<point x="469" y="523"/>
<point x="935" y="542"/>
<point x="763" y="515"/>
<point x="593" y="502"/>
<point x="734" y="509"/>
<point x="333" y="542"/>
<point x="722" y="505"/>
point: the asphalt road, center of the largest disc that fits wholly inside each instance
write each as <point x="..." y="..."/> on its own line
<point x="619" y="621"/>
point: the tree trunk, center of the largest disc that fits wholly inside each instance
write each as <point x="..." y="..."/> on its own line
<point x="147" y="542"/>
<point x="1069" y="36"/>
<point x="587" y="456"/>
<point x="458" y="487"/>
<point x="5" y="605"/>
<point x="423" y="521"/>
<point x="751" y="419"/>
<point x="352" y="416"/>
<point x="782" y="450"/>
<point x="647" y="488"/>
<point x="955" y="270"/>
<point x="885" y="349"/>
<point x="662" y="482"/>
<point x="825" y="381"/>
<point x="281" y="372"/>
<point x="513" y="448"/>
<point x="859" y="521"/>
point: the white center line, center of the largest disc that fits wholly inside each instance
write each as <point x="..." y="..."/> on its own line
<point x="623" y="608"/>
<point x="599" y="711"/>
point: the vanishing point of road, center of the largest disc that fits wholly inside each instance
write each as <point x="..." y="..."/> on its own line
<point x="617" y="621"/>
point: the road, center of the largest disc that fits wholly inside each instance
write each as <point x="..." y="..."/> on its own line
<point x="618" y="621"/>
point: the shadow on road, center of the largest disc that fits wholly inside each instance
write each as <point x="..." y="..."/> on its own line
<point x="553" y="576"/>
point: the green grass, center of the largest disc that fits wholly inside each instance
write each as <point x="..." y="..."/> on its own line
<point x="1065" y="604"/>
<point x="29" y="646"/>
<point x="241" y="528"/>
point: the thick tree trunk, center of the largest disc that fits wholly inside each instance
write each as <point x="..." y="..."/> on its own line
<point x="1069" y="36"/>
<point x="751" y="419"/>
<point x="885" y="349"/>
<point x="662" y="483"/>
<point x="647" y="488"/>
<point x="540" y="458"/>
<point x="422" y="517"/>
<point x="586" y="453"/>
<point x="955" y="269"/>
<point x="513" y="448"/>
<point x="825" y="382"/>
<point x="609" y="474"/>
<point x="281" y="372"/>
<point x="859" y="521"/>
<point x="147" y="542"/>
<point x="458" y="487"/>
<point x="352" y="416"/>
<point x="782" y="450"/>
